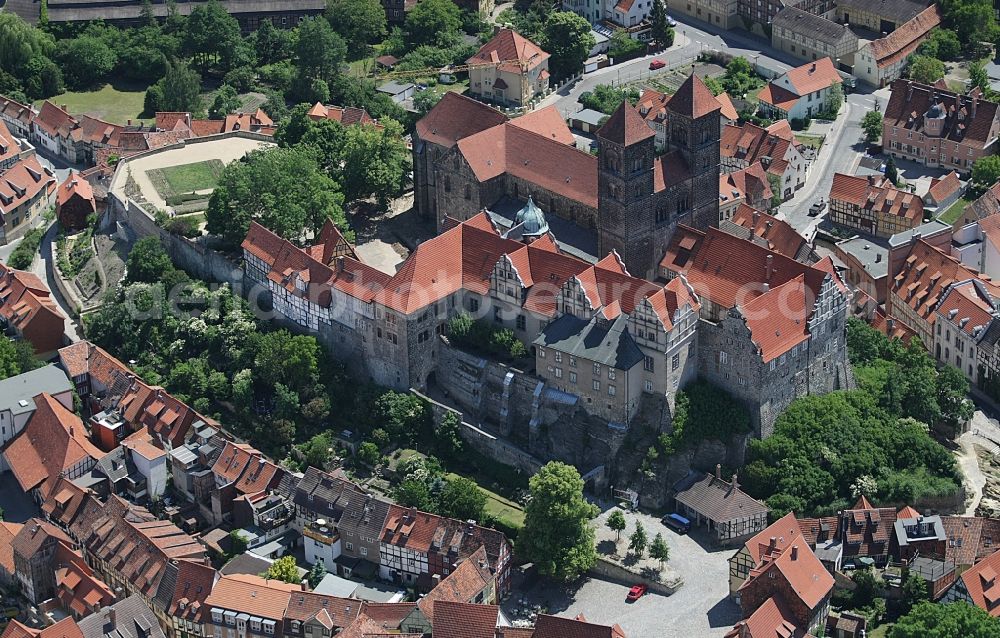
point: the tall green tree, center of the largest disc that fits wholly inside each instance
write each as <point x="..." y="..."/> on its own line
<point x="461" y="498"/>
<point x="433" y="22"/>
<point x="86" y="61"/>
<point x="871" y="124"/>
<point x="954" y="620"/>
<point x="360" y="23"/>
<point x="661" y="30"/>
<point x="373" y="161"/>
<point x="20" y="42"/>
<point x="616" y="523"/>
<point x="16" y="357"/>
<point x="210" y="31"/>
<point x="914" y="591"/>
<point x="557" y="535"/>
<point x="638" y="540"/>
<point x="986" y="171"/>
<point x="319" y="51"/>
<point x="284" y="569"/>
<point x="925" y="69"/>
<point x="147" y="261"/>
<point x="179" y="89"/>
<point x="659" y="549"/>
<point x="282" y="188"/>
<point x="317" y="573"/>
<point x="568" y="39"/>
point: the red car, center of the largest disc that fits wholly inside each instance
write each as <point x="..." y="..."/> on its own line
<point x="637" y="592"/>
<point x="656" y="64"/>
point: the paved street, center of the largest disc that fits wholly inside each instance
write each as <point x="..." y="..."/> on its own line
<point x="701" y="607"/>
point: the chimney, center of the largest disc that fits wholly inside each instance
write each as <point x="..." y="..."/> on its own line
<point x="129" y="122"/>
<point x="812" y="67"/>
<point x="718" y="471"/>
<point x="890" y="324"/>
<point x="975" y="100"/>
<point x="771" y="544"/>
<point x="795" y="552"/>
<point x="735" y="483"/>
<point x="756" y="217"/>
<point x="878" y="258"/>
<point x="340" y="264"/>
<point x="909" y="90"/>
<point x="770" y="267"/>
<point x="109" y="618"/>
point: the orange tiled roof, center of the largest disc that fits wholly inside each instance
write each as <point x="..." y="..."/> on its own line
<point x="785" y="532"/>
<point x="55" y="121"/>
<point x="23" y="182"/>
<point x="778" y="97"/>
<point x="944" y="187"/>
<point x="775" y="318"/>
<point x="456" y="117"/>
<point x="970" y="309"/>
<point x="780" y="236"/>
<point x="462" y="585"/>
<point x="252" y="594"/>
<point x="770" y="620"/>
<point x="728" y="108"/>
<point x="509" y="50"/>
<point x="7" y="533"/>
<point x="464" y="620"/>
<point x="547" y="122"/>
<point x="800" y="568"/>
<point x="65" y="628"/>
<point x="813" y="76"/>
<point x="410" y="528"/>
<point x="905" y="38"/>
<point x="547" y="626"/>
<point x="872" y="193"/>
<point x="981" y="581"/>
<point x="53" y="441"/>
<point x="28" y="307"/>
<point x="75" y="185"/>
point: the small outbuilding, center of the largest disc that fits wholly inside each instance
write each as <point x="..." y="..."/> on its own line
<point x="729" y="513"/>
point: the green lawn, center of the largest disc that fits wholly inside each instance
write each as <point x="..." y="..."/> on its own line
<point x="186" y="178"/>
<point x="813" y="141"/>
<point x="954" y="211"/>
<point x="109" y="103"/>
<point x="881" y="631"/>
<point x="498" y="506"/>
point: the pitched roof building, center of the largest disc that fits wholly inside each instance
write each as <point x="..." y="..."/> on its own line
<point x="810" y="36"/>
<point x="939" y="128"/>
<point x="27" y="308"/>
<point x="773" y="147"/>
<point x="979" y="586"/>
<point x="881" y="61"/>
<point x="509" y="69"/>
<point x="873" y="205"/>
<point x="769" y="231"/>
<point x="127" y="618"/>
<point x="721" y="505"/>
<point x="801" y="92"/>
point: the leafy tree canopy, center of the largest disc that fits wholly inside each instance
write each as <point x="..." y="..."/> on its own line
<point x="954" y="620"/>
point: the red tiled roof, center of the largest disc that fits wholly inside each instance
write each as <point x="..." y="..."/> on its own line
<point x="669" y="169"/>
<point x="770" y="620"/>
<point x="905" y="38"/>
<point x="872" y="193"/>
<point x="462" y="585"/>
<point x="252" y="594"/>
<point x="693" y="99"/>
<point x="550" y="164"/>
<point x="981" y="581"/>
<point x="97" y="131"/>
<point x="16" y="111"/>
<point x="77" y="588"/>
<point x="410" y="528"/>
<point x="23" y="182"/>
<point x="547" y="122"/>
<point x="910" y="101"/>
<point x="778" y="96"/>
<point x="728" y="108"/>
<point x="625" y="126"/>
<point x="785" y="532"/>
<point x="333" y="612"/>
<point x="53" y="441"/>
<point x="924" y="276"/>
<point x="557" y="627"/>
<point x="867" y="529"/>
<point x="779" y="234"/>
<point x="55" y="121"/>
<point x="346" y="115"/>
<point x="813" y="76"/>
<point x="75" y="185"/>
<point x="7" y="533"/>
<point x="27" y="306"/>
<point x="751" y="143"/>
<point x="970" y="309"/>
<point x="464" y="620"/>
<point x="775" y="318"/>
<point x="800" y="568"/>
<point x="65" y="628"/>
<point x="944" y="187"/>
<point x="456" y="117"/>
<point x="509" y="50"/>
<point x="168" y="120"/>
<point x="246" y="468"/>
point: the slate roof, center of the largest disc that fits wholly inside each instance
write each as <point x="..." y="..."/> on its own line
<point x="607" y="343"/>
<point x="810" y="26"/>
<point x="867" y="529"/>
<point x="717" y="499"/>
<point x="132" y="618"/>
<point x="17" y="393"/>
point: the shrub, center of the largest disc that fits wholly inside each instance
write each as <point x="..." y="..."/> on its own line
<point x="480" y="335"/>
<point x="186" y="226"/>
<point x="24" y="254"/>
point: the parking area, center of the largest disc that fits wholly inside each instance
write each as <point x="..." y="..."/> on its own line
<point x="701" y="607"/>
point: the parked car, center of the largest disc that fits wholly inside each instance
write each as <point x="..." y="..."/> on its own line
<point x="637" y="592"/>
<point x="817" y="208"/>
<point x="656" y="64"/>
<point x="671" y="21"/>
<point x="677" y="523"/>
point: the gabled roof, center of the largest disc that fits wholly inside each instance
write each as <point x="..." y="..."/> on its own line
<point x="462" y="585"/>
<point x="905" y="39"/>
<point x="55" y="121"/>
<point x="65" y="628"/>
<point x="898" y="11"/>
<point x="728" y="109"/>
<point x="34" y="535"/>
<point x="910" y="102"/>
<point x="252" y="594"/>
<point x="509" y="51"/>
<point x="547" y="626"/>
<point x="626" y="126"/>
<point x="184" y="587"/>
<point x="547" y="122"/>
<point x="75" y="186"/>
<point x="456" y="117"/>
<point x="873" y="193"/>
<point x="776" y="319"/>
<point x="23" y="182"/>
<point x="797" y="564"/>
<point x="53" y="441"/>
<point x="967" y="306"/>
<point x="812" y="27"/>
<point x="693" y="99"/>
<point x="332" y="612"/>
<point x="813" y="76"/>
<point x="777" y="233"/>
<point x="7" y="533"/>
<point x="716" y="498"/>
<point x="982" y="582"/>
<point x="464" y="620"/>
<point x="607" y="343"/>
<point x="770" y="620"/>
<point x="774" y="538"/>
<point x="944" y="187"/>
<point x="127" y="618"/>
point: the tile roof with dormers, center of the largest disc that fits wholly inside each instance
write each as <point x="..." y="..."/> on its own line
<point x="970" y="538"/>
<point x="53" y="441"/>
<point x="467" y="581"/>
<point x="253" y="595"/>
<point x="968" y="306"/>
<point x="770" y="620"/>
<point x="876" y="194"/>
<point x="65" y="628"/>
<point x="867" y="529"/>
<point x="769" y="231"/>
<point x="926" y="274"/>
<point x="77" y="588"/>
<point x="798" y="566"/>
<point x="346" y="115"/>
<point x="982" y="581"/>
<point x="246" y="468"/>
<point x="751" y="143"/>
<point x="509" y="51"/>
<point x="54" y="121"/>
<point x="330" y="611"/>
<point x="35" y="535"/>
<point x="27" y="306"/>
<point x="966" y="119"/>
<point x="182" y="590"/>
<point x="23" y="182"/>
<point x="16" y="111"/>
<point x="775" y="538"/>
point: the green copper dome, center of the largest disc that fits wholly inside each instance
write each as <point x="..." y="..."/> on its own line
<point x="531" y="219"/>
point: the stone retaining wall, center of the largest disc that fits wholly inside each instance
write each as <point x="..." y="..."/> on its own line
<point x="609" y="570"/>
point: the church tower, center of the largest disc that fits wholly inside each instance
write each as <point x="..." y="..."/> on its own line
<point x="625" y="189"/>
<point x="694" y="130"/>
